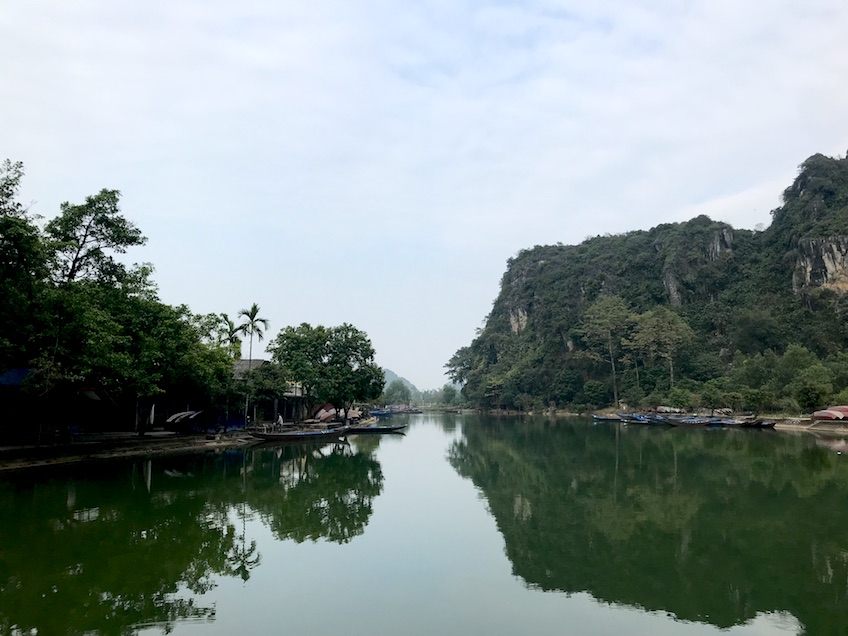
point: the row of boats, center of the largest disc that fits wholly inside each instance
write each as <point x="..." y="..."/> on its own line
<point x="688" y="421"/>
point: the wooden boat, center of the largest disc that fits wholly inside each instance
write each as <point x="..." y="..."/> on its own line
<point x="605" y="418"/>
<point x="691" y="422"/>
<point x="650" y="419"/>
<point x="758" y="424"/>
<point x="376" y="428"/>
<point x="301" y="434"/>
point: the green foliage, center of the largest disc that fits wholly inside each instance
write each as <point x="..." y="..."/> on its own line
<point x="334" y="364"/>
<point x="596" y="393"/>
<point x="396" y="393"/>
<point x="812" y="386"/>
<point x="605" y="323"/>
<point x="81" y="238"/>
<point x="252" y="325"/>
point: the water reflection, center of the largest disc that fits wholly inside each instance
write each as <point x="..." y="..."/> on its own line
<point x="107" y="548"/>
<point x="711" y="526"/>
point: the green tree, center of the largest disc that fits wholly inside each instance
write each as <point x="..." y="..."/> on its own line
<point x="605" y="324"/>
<point x="333" y="364"/>
<point x="813" y="387"/>
<point x="231" y="335"/>
<point x="660" y="333"/>
<point x="83" y="236"/>
<point x="10" y="183"/>
<point x="596" y="392"/>
<point x="252" y="325"/>
<point x="303" y="352"/>
<point x="397" y="393"/>
<point x="351" y="373"/>
<point x="712" y="397"/>
<point x="449" y="394"/>
<point x="23" y="269"/>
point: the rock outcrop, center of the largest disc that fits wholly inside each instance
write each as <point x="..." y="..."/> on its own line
<point x="822" y="262"/>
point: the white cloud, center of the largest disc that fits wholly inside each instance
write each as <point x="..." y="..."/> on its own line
<point x="378" y="162"/>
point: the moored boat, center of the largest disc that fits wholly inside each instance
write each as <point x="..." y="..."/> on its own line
<point x="376" y="428"/>
<point x="605" y="418"/>
<point x="301" y="434"/>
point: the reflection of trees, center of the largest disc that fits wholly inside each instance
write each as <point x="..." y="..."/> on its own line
<point x="113" y="550"/>
<point x="97" y="555"/>
<point x="319" y="493"/>
<point x="709" y="525"/>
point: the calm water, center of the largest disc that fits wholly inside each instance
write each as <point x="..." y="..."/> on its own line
<point x="466" y="525"/>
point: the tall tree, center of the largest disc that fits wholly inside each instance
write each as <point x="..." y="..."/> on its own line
<point x="82" y="237"/>
<point x="660" y="333"/>
<point x="352" y="373"/>
<point x="10" y="182"/>
<point x="231" y="335"/>
<point x="333" y="364"/>
<point x="23" y="271"/>
<point x="303" y="351"/>
<point x="605" y="324"/>
<point x="252" y="325"/>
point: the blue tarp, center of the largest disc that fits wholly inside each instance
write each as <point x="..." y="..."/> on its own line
<point x="14" y="377"/>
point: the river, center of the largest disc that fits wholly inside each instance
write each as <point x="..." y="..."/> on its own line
<point x="465" y="525"/>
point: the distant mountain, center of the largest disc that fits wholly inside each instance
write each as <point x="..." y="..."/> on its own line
<point x="391" y="376"/>
<point x="695" y="313"/>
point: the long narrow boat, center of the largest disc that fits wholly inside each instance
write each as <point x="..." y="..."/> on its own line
<point x="302" y="434"/>
<point x="605" y="418"/>
<point x="650" y="419"/>
<point x="376" y="428"/>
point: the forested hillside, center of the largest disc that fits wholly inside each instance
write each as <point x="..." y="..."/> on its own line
<point x="692" y="314"/>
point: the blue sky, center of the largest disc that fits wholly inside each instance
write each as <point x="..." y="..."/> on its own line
<point x="377" y="162"/>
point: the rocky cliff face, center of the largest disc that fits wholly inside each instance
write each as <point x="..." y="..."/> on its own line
<point x="722" y="242"/>
<point x="822" y="262"/>
<point x="517" y="319"/>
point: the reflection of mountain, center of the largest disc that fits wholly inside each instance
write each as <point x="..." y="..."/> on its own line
<point x="712" y="526"/>
<point x="107" y="550"/>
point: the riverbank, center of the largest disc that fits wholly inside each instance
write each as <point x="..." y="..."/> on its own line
<point x="106" y="446"/>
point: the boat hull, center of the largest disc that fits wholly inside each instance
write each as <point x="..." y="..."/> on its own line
<point x="300" y="435"/>
<point x="377" y="429"/>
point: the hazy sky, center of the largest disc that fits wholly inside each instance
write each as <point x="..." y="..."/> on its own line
<point x="377" y="162"/>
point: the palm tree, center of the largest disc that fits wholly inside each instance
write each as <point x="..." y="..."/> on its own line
<point x="252" y="324"/>
<point x="231" y="337"/>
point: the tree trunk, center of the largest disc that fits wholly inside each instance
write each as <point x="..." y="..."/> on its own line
<point x="247" y="392"/>
<point x="612" y="364"/>
<point x="671" y="372"/>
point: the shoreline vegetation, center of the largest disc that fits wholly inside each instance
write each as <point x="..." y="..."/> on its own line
<point x="87" y="346"/>
<point x="124" y="445"/>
